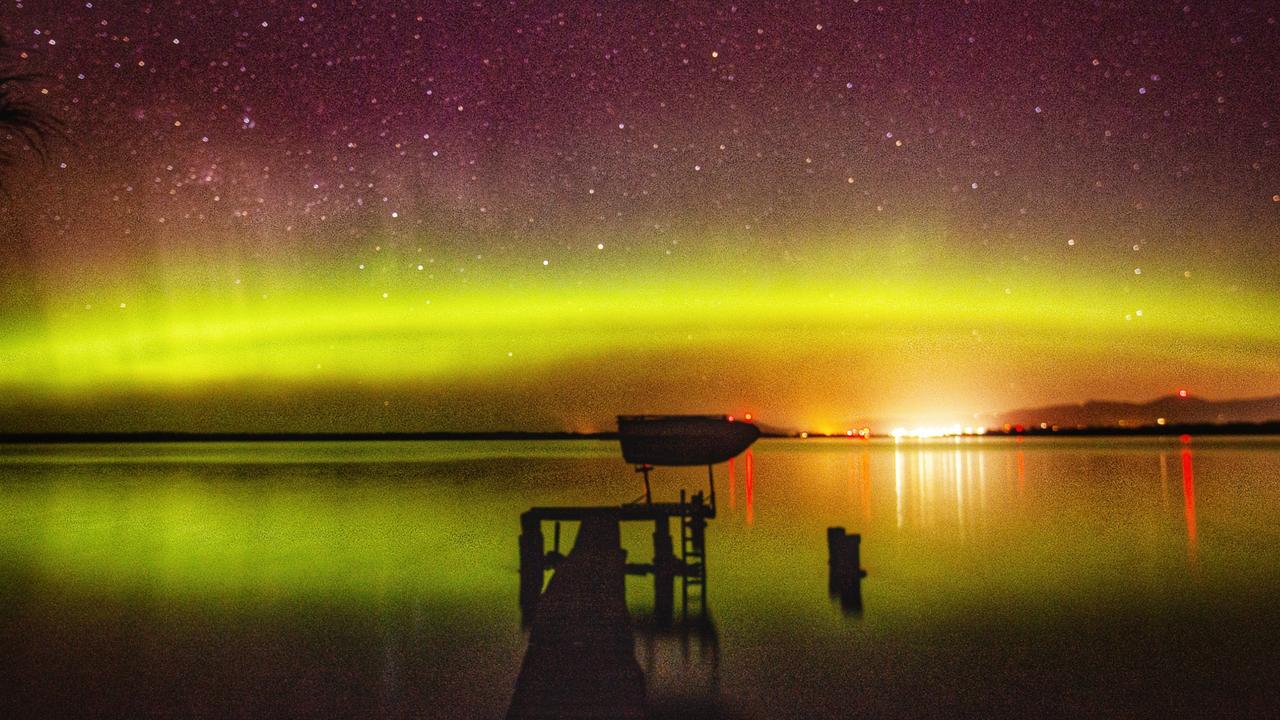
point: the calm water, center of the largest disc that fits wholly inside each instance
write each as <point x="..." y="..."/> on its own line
<point x="1048" y="577"/>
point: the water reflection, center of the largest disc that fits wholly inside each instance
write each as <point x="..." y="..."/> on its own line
<point x="1164" y="479"/>
<point x="860" y="484"/>
<point x="681" y="664"/>
<point x="732" y="485"/>
<point x="1189" y="501"/>
<point x="898" y="482"/>
<point x="1022" y="470"/>
<point x="982" y="481"/>
<point x="960" y="490"/>
<point x="866" y="486"/>
<point x="964" y="488"/>
<point x="380" y="579"/>
<point x="944" y="483"/>
<point x="959" y="480"/>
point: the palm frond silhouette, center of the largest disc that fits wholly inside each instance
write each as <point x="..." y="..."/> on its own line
<point x="23" y="125"/>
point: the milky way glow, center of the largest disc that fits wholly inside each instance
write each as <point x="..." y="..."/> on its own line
<point x="378" y="218"/>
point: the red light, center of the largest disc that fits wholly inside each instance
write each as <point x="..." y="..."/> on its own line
<point x="1018" y="428"/>
<point x="1185" y="439"/>
<point x="1182" y="393"/>
<point x="747" y="417"/>
<point x="730" y="418"/>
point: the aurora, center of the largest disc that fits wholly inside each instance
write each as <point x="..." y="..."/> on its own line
<point x="392" y="229"/>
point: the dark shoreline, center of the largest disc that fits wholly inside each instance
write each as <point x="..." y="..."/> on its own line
<point x="1239" y="429"/>
<point x="1268" y="428"/>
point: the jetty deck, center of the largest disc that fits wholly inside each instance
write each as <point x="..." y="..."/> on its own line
<point x="581" y="659"/>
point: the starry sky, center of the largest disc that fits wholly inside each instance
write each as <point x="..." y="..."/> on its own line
<point x="384" y="215"/>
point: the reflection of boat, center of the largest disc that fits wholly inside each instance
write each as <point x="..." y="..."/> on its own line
<point x="683" y="439"/>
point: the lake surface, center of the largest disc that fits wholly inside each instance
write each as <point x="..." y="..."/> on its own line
<point x="1045" y="577"/>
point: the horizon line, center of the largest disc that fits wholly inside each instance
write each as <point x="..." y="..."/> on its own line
<point x="1269" y="427"/>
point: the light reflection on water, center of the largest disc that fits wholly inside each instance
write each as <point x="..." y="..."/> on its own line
<point x="943" y="485"/>
<point x="1007" y="576"/>
<point x="1189" y="502"/>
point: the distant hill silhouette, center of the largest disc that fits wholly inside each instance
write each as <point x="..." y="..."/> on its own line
<point x="1175" y="410"/>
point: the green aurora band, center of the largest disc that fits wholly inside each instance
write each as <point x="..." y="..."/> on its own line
<point x="902" y="324"/>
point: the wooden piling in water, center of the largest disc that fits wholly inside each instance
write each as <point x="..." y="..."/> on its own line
<point x="844" y="558"/>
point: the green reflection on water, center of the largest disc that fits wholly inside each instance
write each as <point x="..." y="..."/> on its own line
<point x="948" y="525"/>
<point x="340" y="521"/>
<point x="1054" y="564"/>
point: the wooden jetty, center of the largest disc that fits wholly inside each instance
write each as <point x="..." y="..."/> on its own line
<point x="581" y="659"/>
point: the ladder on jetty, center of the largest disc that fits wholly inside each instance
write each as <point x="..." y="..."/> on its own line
<point x="693" y="513"/>
<point x="693" y="555"/>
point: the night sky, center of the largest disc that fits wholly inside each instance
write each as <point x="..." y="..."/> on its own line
<point x="413" y="216"/>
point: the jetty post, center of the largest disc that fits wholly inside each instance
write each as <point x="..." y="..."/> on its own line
<point x="664" y="570"/>
<point x="531" y="560"/>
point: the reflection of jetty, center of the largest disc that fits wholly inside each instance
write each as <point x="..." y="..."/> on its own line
<point x="581" y="658"/>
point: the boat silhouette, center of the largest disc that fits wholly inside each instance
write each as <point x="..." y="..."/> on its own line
<point x="683" y="439"/>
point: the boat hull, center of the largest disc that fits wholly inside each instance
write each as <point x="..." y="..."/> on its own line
<point x="683" y="439"/>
